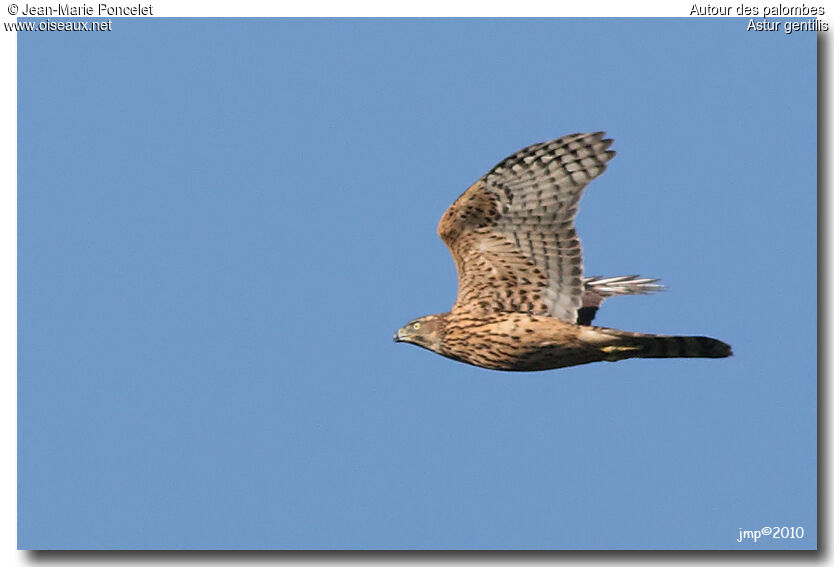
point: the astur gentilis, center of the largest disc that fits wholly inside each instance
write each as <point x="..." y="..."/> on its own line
<point x="523" y="302"/>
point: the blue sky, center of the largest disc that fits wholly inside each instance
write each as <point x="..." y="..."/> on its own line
<point x="222" y="222"/>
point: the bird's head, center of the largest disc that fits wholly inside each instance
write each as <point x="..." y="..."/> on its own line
<point x="426" y="332"/>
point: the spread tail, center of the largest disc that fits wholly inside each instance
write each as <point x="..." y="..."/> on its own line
<point x="622" y="344"/>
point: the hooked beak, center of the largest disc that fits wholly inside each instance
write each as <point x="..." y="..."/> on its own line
<point x="398" y="336"/>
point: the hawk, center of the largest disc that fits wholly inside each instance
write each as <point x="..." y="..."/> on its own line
<point x="523" y="303"/>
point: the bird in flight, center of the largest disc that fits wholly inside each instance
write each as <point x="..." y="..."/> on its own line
<point x="523" y="301"/>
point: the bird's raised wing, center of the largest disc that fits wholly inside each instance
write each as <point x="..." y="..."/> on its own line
<point x="512" y="234"/>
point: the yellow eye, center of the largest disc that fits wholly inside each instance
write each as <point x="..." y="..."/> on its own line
<point x="416" y="326"/>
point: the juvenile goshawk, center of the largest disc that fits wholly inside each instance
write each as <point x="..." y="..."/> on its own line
<point x="523" y="302"/>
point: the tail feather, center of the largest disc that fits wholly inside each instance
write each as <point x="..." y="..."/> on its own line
<point x="598" y="288"/>
<point x="639" y="345"/>
<point x="622" y="285"/>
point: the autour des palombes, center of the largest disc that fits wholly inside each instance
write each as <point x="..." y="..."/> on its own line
<point x="768" y="11"/>
<point x="780" y="10"/>
<point x="87" y="10"/>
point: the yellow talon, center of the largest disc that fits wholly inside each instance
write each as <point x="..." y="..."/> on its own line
<point x="616" y="349"/>
<point x="614" y="353"/>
